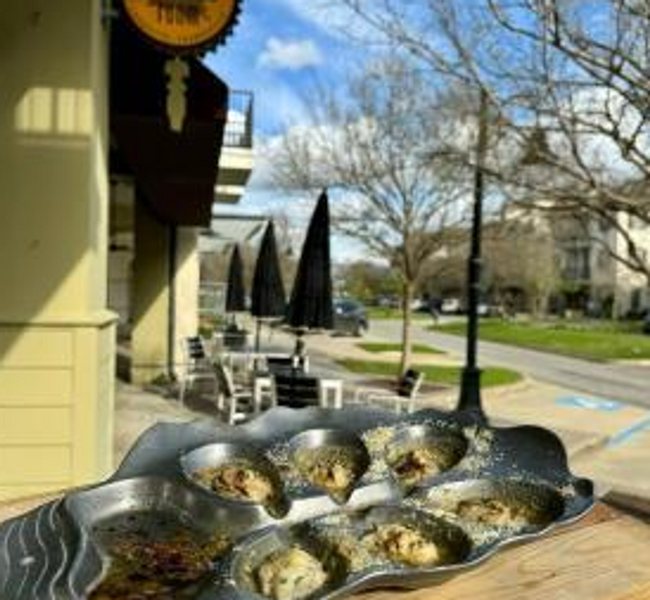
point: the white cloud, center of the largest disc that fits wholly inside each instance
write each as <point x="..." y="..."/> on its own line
<point x="290" y="54"/>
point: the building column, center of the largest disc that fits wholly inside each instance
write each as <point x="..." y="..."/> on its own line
<point x="151" y="296"/>
<point x="165" y="295"/>
<point x="56" y="336"/>
<point x="186" y="290"/>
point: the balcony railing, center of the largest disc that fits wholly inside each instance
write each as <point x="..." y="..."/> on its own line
<point x="239" y="125"/>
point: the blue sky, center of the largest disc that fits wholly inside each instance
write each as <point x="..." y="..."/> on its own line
<point x="278" y="50"/>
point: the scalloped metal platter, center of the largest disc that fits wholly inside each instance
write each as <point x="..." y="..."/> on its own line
<point x="58" y="551"/>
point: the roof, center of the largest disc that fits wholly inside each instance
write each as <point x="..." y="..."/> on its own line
<point x="233" y="228"/>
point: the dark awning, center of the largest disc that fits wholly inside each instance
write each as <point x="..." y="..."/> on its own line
<point x="176" y="173"/>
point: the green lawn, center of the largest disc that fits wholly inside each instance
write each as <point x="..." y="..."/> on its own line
<point x="433" y="374"/>
<point x="376" y="312"/>
<point x="381" y="347"/>
<point x="588" y="339"/>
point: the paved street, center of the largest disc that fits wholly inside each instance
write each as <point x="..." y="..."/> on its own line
<point x="617" y="382"/>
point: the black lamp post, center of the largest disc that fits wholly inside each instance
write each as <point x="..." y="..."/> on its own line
<point x="470" y="391"/>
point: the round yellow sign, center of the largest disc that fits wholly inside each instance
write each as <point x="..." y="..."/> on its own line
<point x="183" y="24"/>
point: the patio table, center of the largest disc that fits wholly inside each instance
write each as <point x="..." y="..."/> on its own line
<point x="602" y="557"/>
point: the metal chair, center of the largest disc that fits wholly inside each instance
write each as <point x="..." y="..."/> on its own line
<point x="296" y="391"/>
<point x="403" y="397"/>
<point x="197" y="366"/>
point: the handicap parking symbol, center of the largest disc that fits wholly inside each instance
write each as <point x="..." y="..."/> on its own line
<point x="598" y="404"/>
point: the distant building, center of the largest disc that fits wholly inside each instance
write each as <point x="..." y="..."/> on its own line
<point x="592" y="279"/>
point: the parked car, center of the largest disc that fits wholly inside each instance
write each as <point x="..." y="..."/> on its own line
<point x="418" y="305"/>
<point x="350" y="317"/>
<point x="450" y="306"/>
<point x="490" y="310"/>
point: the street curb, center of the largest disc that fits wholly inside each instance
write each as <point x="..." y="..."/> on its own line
<point x="596" y="446"/>
<point x="631" y="502"/>
<point x="524" y="384"/>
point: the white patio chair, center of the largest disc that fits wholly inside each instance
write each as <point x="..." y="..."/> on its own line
<point x="197" y="366"/>
<point x="239" y="403"/>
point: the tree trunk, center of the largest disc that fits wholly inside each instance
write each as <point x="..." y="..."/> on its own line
<point x="407" y="298"/>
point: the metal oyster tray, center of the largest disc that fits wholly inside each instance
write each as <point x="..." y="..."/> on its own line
<point x="59" y="551"/>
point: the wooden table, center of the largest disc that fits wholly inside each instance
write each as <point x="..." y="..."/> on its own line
<point x="606" y="556"/>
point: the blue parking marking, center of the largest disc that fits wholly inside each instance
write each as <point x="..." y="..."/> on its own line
<point x="622" y="437"/>
<point x="598" y="404"/>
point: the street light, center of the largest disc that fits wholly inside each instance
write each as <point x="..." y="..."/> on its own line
<point x="470" y="391"/>
<point x="537" y="148"/>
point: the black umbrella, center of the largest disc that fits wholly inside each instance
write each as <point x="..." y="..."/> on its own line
<point x="236" y="294"/>
<point x="268" y="299"/>
<point x="311" y="299"/>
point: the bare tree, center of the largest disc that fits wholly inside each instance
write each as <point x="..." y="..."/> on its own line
<point x="521" y="257"/>
<point x="371" y="140"/>
<point x="570" y="80"/>
<point x="287" y="252"/>
<point x="368" y="281"/>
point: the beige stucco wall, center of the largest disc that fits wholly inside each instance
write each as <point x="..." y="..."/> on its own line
<point x="56" y="338"/>
<point x="187" y="289"/>
<point x="150" y="297"/>
<point x="627" y="281"/>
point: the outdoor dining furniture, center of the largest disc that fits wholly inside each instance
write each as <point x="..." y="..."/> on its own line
<point x="295" y="389"/>
<point x="234" y="340"/>
<point x="238" y="361"/>
<point x="263" y="389"/>
<point x="278" y="363"/>
<point x="237" y="403"/>
<point x="197" y="366"/>
<point x="402" y="398"/>
<point x="331" y="392"/>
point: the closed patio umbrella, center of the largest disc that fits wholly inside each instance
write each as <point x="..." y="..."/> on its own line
<point x="235" y="338"/>
<point x="268" y="299"/>
<point x="235" y="293"/>
<point x="311" y="298"/>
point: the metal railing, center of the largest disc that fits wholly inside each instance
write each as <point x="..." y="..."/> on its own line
<point x="239" y="125"/>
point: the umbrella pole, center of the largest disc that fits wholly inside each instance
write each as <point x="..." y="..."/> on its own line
<point x="300" y="349"/>
<point x="258" y="335"/>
